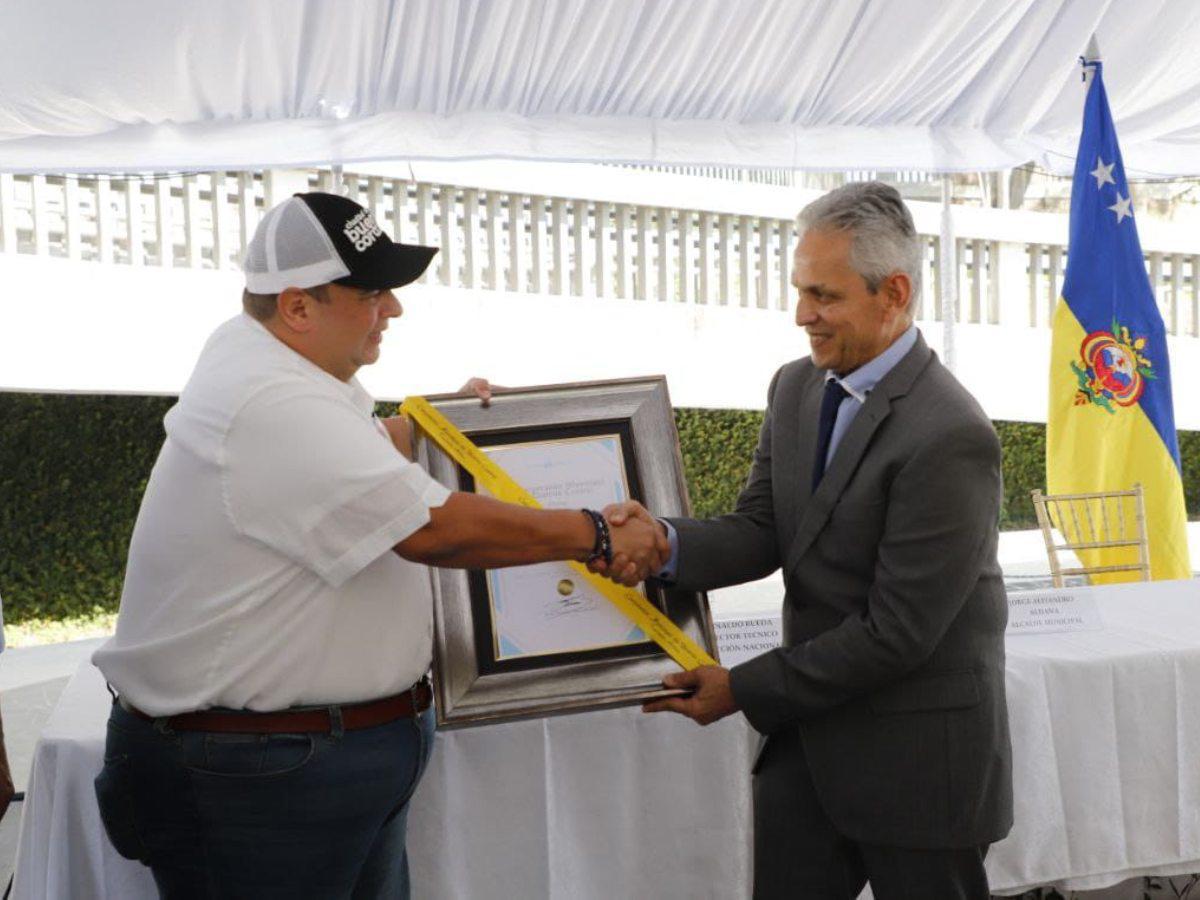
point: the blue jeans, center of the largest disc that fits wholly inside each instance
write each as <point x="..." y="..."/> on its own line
<point x="219" y="815"/>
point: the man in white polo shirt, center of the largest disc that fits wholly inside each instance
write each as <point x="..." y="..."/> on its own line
<point x="275" y="629"/>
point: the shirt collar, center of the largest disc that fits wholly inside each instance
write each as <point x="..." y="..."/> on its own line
<point x="862" y="380"/>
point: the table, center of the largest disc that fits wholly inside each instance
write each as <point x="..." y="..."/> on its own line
<point x="1106" y="744"/>
<point x="593" y="805"/>
<point x="1106" y="751"/>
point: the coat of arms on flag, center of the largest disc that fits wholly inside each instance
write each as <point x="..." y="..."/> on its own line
<point x="1113" y="370"/>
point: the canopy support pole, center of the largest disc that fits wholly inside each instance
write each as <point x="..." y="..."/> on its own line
<point x="948" y="275"/>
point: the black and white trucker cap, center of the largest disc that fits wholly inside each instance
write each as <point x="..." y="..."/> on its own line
<point x="315" y="238"/>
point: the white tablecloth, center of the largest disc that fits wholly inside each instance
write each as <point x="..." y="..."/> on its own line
<point x="1106" y="744"/>
<point x="599" y="805"/>
<point x="1106" y="748"/>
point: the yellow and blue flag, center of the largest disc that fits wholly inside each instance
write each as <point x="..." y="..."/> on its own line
<point x="1111" y="422"/>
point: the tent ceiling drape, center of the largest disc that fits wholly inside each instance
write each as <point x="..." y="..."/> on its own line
<point x="820" y="84"/>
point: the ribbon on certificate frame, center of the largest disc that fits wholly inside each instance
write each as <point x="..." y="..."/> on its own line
<point x="501" y="485"/>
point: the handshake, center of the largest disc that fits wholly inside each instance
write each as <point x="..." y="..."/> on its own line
<point x="641" y="549"/>
<point x="639" y="542"/>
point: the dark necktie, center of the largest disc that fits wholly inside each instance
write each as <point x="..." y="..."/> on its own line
<point x="832" y="399"/>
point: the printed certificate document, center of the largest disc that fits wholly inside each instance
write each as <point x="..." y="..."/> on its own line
<point x="548" y="608"/>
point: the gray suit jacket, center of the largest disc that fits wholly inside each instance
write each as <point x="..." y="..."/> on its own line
<point x="893" y="620"/>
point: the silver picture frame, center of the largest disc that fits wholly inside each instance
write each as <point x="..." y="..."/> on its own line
<point x="472" y="685"/>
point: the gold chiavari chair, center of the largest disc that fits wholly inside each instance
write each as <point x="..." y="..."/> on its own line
<point x="1100" y="520"/>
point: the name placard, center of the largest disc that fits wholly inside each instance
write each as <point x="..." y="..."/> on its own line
<point x="743" y="638"/>
<point x="1052" y="610"/>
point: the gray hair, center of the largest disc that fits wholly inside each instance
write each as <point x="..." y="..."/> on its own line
<point x="883" y="237"/>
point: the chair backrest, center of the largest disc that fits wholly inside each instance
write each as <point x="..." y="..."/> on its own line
<point x="1105" y="520"/>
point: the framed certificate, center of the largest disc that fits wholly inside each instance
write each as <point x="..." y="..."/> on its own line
<point x="538" y="640"/>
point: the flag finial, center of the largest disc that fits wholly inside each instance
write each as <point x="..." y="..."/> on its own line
<point x="1090" y="58"/>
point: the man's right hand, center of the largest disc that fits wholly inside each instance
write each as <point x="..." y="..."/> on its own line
<point x="630" y="568"/>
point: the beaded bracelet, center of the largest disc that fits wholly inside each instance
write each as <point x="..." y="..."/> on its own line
<point x="602" y="548"/>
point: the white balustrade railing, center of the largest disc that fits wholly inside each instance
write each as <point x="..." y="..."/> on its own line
<point x="618" y="234"/>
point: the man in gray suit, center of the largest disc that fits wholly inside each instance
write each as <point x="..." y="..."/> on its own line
<point x="876" y="486"/>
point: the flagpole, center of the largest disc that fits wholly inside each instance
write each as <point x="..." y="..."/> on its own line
<point x="1091" y="54"/>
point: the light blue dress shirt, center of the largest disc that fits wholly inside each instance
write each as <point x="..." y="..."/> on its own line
<point x="858" y="384"/>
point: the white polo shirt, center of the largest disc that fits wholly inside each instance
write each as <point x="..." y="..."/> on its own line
<point x="261" y="573"/>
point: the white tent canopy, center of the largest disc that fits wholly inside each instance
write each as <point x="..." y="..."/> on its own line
<point x="817" y="84"/>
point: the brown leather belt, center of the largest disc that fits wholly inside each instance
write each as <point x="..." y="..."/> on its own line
<point x="293" y="721"/>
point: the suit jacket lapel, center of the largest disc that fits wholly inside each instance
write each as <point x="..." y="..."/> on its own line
<point x="806" y="443"/>
<point x="815" y="512"/>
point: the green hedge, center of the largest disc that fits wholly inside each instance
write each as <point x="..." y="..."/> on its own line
<point x="717" y="445"/>
<point x="73" y="469"/>
<point x="72" y="473"/>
